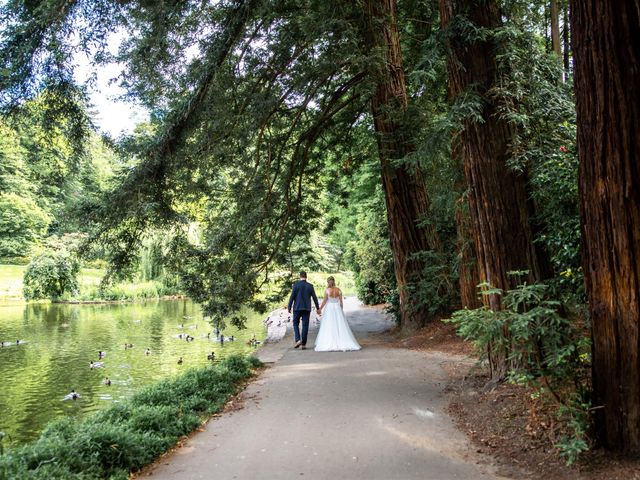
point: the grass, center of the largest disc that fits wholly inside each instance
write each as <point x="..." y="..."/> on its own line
<point x="129" y="435"/>
<point x="11" y="281"/>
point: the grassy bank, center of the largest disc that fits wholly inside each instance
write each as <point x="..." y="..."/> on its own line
<point x="89" y="282"/>
<point x="129" y="435"/>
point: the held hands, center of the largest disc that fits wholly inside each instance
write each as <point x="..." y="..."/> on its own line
<point x="319" y="311"/>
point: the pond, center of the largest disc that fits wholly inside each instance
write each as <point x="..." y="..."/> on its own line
<point x="58" y="342"/>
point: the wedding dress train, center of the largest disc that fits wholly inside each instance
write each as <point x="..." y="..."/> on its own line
<point x="335" y="334"/>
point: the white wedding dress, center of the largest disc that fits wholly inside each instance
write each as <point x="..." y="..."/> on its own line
<point x="335" y="334"/>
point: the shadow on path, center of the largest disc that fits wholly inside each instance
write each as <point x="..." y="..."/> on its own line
<point x="378" y="413"/>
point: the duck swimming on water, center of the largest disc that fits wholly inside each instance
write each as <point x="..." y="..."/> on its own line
<point x="107" y="381"/>
<point x="180" y="361"/>
<point x="96" y="364"/>
<point x="73" y="395"/>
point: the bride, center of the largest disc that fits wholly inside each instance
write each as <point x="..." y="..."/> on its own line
<point x="334" y="334"/>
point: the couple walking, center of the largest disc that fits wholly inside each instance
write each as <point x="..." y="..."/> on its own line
<point x="334" y="334"/>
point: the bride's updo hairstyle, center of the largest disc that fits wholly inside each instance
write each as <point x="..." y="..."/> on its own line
<point x="331" y="282"/>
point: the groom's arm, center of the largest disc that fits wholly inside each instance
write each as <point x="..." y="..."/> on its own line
<point x="293" y="294"/>
<point x="315" y="299"/>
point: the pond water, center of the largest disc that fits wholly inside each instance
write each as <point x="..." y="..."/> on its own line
<point x="60" y="341"/>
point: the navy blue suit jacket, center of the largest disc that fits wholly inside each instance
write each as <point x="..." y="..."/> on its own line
<point x="301" y="296"/>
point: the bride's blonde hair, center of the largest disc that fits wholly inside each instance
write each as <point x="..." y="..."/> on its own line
<point x="331" y="282"/>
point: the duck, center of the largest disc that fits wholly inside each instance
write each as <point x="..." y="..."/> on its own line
<point x="96" y="364"/>
<point x="101" y="354"/>
<point x="180" y="361"/>
<point x="107" y="381"/>
<point x="189" y="338"/>
<point x="73" y="395"/>
<point x="147" y="351"/>
<point x="216" y="331"/>
<point x="211" y="356"/>
<point x="128" y="345"/>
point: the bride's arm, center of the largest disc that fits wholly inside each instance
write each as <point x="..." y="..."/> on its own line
<point x="341" y="302"/>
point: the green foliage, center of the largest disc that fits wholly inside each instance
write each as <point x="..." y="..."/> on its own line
<point x="371" y="258"/>
<point x="51" y="275"/>
<point x="126" y="291"/>
<point x="545" y="350"/>
<point x="128" y="435"/>
<point x="22" y="224"/>
<point x="541" y="109"/>
<point x="575" y="413"/>
<point x="434" y="289"/>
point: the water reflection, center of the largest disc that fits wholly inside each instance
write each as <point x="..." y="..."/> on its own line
<point x="62" y="340"/>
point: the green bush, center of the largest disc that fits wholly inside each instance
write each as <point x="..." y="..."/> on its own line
<point x="127" y="436"/>
<point x="51" y="275"/>
<point x="372" y="260"/>
<point x="22" y="224"/>
<point x="545" y="351"/>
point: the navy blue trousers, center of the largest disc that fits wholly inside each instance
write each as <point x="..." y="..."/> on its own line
<point x="304" y="316"/>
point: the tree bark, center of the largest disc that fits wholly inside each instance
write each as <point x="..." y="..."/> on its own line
<point x="555" y="28"/>
<point x="498" y="203"/>
<point x="469" y="278"/>
<point x="565" y="39"/>
<point x="606" y="48"/>
<point x="468" y="269"/>
<point x="405" y="193"/>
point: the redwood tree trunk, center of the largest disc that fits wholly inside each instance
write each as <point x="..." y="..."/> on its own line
<point x="555" y="28"/>
<point x="606" y="49"/>
<point x="405" y="193"/>
<point x="468" y="269"/>
<point x="469" y="277"/>
<point x="498" y="207"/>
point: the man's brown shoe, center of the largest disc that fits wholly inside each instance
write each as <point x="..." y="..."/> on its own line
<point x="297" y="344"/>
<point x="303" y="347"/>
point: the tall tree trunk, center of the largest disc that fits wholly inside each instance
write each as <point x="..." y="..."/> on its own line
<point x="555" y="28"/>
<point x="498" y="207"/>
<point x="565" y="39"/>
<point x="405" y="193"/>
<point x="606" y="48"/>
<point x="468" y="264"/>
<point x="469" y="277"/>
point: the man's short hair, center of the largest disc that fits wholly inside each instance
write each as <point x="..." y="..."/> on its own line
<point x="303" y="274"/>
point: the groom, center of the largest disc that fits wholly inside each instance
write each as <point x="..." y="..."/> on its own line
<point x="301" y="296"/>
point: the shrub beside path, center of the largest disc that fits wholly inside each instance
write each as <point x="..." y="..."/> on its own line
<point x="378" y="413"/>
